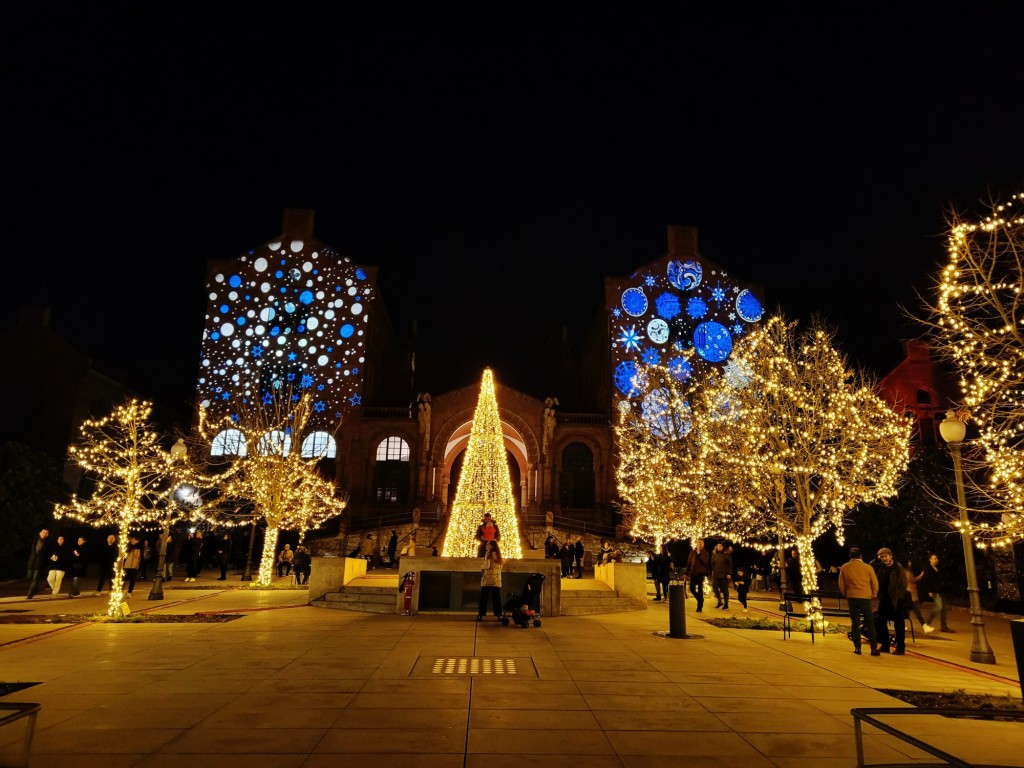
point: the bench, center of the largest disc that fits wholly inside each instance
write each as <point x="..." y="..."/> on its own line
<point x="833" y="605"/>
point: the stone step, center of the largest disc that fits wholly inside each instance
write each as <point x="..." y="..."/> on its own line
<point x="361" y="607"/>
<point x="574" y="605"/>
<point x="369" y="595"/>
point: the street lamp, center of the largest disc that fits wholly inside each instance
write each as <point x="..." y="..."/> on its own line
<point x="953" y="431"/>
<point x="178" y="452"/>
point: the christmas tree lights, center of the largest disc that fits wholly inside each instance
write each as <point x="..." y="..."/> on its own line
<point x="485" y="484"/>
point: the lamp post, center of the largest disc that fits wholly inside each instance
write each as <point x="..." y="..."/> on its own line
<point x="178" y="453"/>
<point x="953" y="431"/>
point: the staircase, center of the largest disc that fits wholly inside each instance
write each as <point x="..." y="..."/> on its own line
<point x="593" y="597"/>
<point x="377" y="592"/>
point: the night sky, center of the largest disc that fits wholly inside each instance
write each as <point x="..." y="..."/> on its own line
<point x="494" y="173"/>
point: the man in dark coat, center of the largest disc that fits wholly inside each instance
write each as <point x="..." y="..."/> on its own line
<point x="105" y="559"/>
<point x="892" y="595"/>
<point x="38" y="560"/>
<point x="224" y="547"/>
<point x="392" y="549"/>
<point x="579" y="552"/>
<point x="566" y="555"/>
<point x="698" y="566"/>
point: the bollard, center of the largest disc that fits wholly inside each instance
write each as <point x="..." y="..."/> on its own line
<point x="676" y="610"/>
<point x="1017" y="633"/>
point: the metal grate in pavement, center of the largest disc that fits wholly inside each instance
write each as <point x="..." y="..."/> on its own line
<point x="474" y="665"/>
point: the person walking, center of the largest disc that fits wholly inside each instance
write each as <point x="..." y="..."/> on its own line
<point x="930" y="585"/>
<point x="721" y="575"/>
<point x="106" y="559"/>
<point x="698" y="566"/>
<point x="661" y="572"/>
<point x="858" y="583"/>
<point x="60" y="561"/>
<point x="392" y="549"/>
<point x="224" y="547"/>
<point x="79" y="562"/>
<point x="892" y="590"/>
<point x="486" y="531"/>
<point x="741" y="581"/>
<point x="132" y="561"/>
<point x="38" y="560"/>
<point x="490" y="580"/>
<point x="566" y="554"/>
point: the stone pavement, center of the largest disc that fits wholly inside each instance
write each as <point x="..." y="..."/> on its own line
<point x="288" y="685"/>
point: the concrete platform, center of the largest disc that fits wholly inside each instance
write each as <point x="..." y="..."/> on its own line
<point x="288" y="685"/>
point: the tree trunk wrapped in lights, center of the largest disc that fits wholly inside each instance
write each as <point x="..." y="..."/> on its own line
<point x="484" y="484"/>
<point x="135" y="480"/>
<point x="976" y="322"/>
<point x="798" y="438"/>
<point x="281" y="486"/>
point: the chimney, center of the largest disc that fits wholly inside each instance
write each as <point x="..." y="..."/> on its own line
<point x="298" y="223"/>
<point x="682" y="242"/>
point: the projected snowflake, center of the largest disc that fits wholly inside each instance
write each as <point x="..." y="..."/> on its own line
<point x="286" y="311"/>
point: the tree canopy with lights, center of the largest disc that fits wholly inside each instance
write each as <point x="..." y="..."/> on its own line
<point x="134" y="476"/>
<point x="484" y="483"/>
<point x="282" y="486"/>
<point x="976" y="321"/>
<point x="798" y="438"/>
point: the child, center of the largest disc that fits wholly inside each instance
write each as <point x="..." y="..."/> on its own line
<point x="742" y="584"/>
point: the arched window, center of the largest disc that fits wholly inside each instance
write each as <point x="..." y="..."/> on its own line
<point x="391" y="472"/>
<point x="229" y="442"/>
<point x="275" y="443"/>
<point x="319" y="445"/>
<point x="576" y="482"/>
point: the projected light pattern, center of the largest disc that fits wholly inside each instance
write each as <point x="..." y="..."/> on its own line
<point x="672" y="309"/>
<point x="293" y="312"/>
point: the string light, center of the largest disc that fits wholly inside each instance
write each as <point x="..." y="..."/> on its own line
<point x="484" y="484"/>
<point x="977" y="323"/>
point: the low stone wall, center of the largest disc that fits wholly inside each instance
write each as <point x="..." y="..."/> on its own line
<point x="329" y="573"/>
<point x="628" y="579"/>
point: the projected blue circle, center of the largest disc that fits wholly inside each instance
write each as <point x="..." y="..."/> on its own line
<point x="712" y="341"/>
<point x="748" y="307"/>
<point x="634" y="301"/>
<point x="684" y="275"/>
<point x="623" y="377"/>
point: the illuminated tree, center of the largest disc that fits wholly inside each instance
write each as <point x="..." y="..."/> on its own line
<point x="977" y="322"/>
<point x="283" y="487"/>
<point x="798" y="438"/>
<point x="485" y="484"/>
<point x="133" y="475"/>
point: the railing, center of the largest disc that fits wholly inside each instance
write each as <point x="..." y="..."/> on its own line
<point x="867" y="715"/>
<point x="17" y="711"/>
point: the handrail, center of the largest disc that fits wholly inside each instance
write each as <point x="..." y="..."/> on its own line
<point x="867" y="715"/>
<point x="18" y="711"/>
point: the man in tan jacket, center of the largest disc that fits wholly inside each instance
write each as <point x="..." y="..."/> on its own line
<point x="859" y="585"/>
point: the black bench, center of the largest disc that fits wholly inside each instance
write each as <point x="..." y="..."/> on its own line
<point x="794" y="605"/>
<point x="833" y="605"/>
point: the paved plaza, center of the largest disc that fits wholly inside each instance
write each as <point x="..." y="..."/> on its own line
<point x="288" y="685"/>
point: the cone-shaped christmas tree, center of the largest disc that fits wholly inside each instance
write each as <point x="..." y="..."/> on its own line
<point x="484" y="485"/>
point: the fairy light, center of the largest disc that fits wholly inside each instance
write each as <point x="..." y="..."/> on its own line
<point x="284" y="489"/>
<point x="134" y="480"/>
<point x="485" y="484"/>
<point x="977" y="323"/>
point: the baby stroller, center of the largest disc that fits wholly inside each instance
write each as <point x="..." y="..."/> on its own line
<point x="523" y="607"/>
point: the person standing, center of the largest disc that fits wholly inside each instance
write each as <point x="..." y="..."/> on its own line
<point x="550" y="547"/>
<point x="486" y="531"/>
<point x="224" y="547"/>
<point x="721" y="575"/>
<point x="930" y="585"/>
<point x="132" y="560"/>
<point x="858" y="583"/>
<point x="566" y="554"/>
<point x="698" y="566"/>
<point x="892" y="590"/>
<point x="490" y="580"/>
<point x="147" y="557"/>
<point x="194" y="555"/>
<point x="38" y="560"/>
<point x="175" y="544"/>
<point x="661" y="573"/>
<point x="79" y="562"/>
<point x="60" y="561"/>
<point x="794" y="579"/>
<point x="302" y="565"/>
<point x="579" y="552"/>
<point x="106" y="559"/>
<point x="392" y="549"/>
